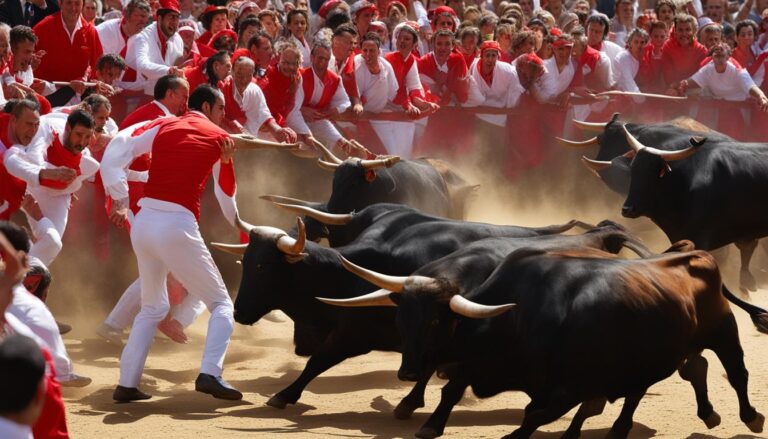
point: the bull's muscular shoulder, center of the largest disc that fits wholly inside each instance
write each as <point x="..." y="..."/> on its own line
<point x="696" y="262"/>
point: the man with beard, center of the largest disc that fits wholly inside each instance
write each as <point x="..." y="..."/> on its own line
<point x="154" y="51"/>
<point x="59" y="145"/>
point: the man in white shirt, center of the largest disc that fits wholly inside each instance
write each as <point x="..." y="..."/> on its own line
<point x="154" y="51"/>
<point x="245" y="106"/>
<point x="114" y="34"/>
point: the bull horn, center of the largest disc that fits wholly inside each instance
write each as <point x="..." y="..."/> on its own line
<point x="333" y="219"/>
<point x="391" y="283"/>
<point x="595" y="165"/>
<point x="467" y="308"/>
<point x="376" y="298"/>
<point x="592" y="127"/>
<point x="235" y="249"/>
<point x="326" y="152"/>
<point x="379" y="163"/>
<point x="290" y="246"/>
<point x="288" y="200"/>
<point x="327" y="165"/>
<point x="565" y="142"/>
<point x="633" y="142"/>
<point x="242" y="225"/>
<point x="246" y="141"/>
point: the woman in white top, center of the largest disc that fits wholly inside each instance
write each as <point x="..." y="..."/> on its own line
<point x="296" y="27"/>
<point x="628" y="62"/>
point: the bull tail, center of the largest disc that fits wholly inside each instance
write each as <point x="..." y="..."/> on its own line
<point x="758" y="315"/>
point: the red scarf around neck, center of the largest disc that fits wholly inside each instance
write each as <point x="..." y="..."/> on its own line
<point x="280" y="93"/>
<point x="330" y="82"/>
<point x="60" y="156"/>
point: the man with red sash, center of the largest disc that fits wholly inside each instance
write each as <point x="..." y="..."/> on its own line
<point x="681" y="55"/>
<point x="165" y="234"/>
<point x="16" y="128"/>
<point x="71" y="46"/>
<point x="410" y="93"/>
<point x="342" y="61"/>
<point x="323" y="96"/>
<point x="444" y="74"/>
<point x="19" y="80"/>
<point x="58" y="146"/>
<point x="246" y="108"/>
<point x="114" y="35"/>
<point x="280" y="86"/>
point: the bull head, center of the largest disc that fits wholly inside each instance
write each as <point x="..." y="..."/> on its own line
<point x="291" y="247"/>
<point x="667" y="156"/>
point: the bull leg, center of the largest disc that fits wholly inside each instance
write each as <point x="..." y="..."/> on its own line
<point x="747" y="249"/>
<point x="729" y="351"/>
<point x="331" y="353"/>
<point x="694" y="370"/>
<point x="450" y="395"/>
<point x="307" y="338"/>
<point x="415" y="398"/>
<point x="587" y="409"/>
<point x="623" y="424"/>
<point x="558" y="406"/>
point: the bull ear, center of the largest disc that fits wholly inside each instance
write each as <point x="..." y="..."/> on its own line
<point x="698" y="140"/>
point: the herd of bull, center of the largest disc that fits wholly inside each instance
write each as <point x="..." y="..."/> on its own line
<point x="560" y="317"/>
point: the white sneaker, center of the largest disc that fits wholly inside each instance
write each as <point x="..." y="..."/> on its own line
<point x="110" y="334"/>
<point x="74" y="380"/>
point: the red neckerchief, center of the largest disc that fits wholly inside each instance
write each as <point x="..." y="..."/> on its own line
<point x="232" y="110"/>
<point x="163" y="41"/>
<point x="598" y="46"/>
<point x="488" y="77"/>
<point x="469" y="59"/>
<point x="330" y="82"/>
<point x="347" y="74"/>
<point x="130" y="74"/>
<point x="401" y="66"/>
<point x="590" y="57"/>
<point x="280" y="93"/>
<point x="60" y="156"/>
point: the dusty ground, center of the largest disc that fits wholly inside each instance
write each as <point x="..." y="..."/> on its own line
<point x="356" y="398"/>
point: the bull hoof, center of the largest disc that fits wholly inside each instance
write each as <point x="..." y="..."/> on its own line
<point x="404" y="410"/>
<point x="278" y="402"/>
<point x="712" y="421"/>
<point x="747" y="281"/>
<point x="756" y="425"/>
<point x="428" y="433"/>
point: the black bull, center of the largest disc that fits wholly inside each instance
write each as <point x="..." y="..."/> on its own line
<point x="400" y="241"/>
<point x="585" y="327"/>
<point x="711" y="226"/>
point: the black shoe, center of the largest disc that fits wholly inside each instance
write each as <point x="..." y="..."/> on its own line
<point x="217" y="387"/>
<point x="128" y="394"/>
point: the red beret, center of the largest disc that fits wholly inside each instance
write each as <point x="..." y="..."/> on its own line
<point x="169" y="5"/>
<point x="489" y="45"/>
<point x="326" y="7"/>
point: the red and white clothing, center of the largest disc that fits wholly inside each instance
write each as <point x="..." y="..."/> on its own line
<point x="678" y="62"/>
<point x="165" y="234"/>
<point x="554" y="82"/>
<point x="378" y="92"/>
<point x="453" y="88"/>
<point x="149" y="111"/>
<point x="626" y="71"/>
<point x="283" y="99"/>
<point x="323" y="94"/>
<point x="151" y="55"/>
<point x="346" y="70"/>
<point x="12" y="430"/>
<point x="26" y="77"/>
<point x="12" y="189"/>
<point x="597" y="70"/>
<point x="500" y="89"/>
<point x="731" y="85"/>
<point x="114" y="40"/>
<point x="46" y="151"/>
<point x="407" y="75"/>
<point x="304" y="49"/>
<point x="67" y="56"/>
<point x="248" y="109"/>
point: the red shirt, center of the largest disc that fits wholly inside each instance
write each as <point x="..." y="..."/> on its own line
<point x="12" y="189"/>
<point x="457" y="70"/>
<point x="65" y="60"/>
<point x="280" y="93"/>
<point x="678" y="62"/>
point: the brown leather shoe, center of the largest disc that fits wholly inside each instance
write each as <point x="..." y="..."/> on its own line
<point x="128" y="394"/>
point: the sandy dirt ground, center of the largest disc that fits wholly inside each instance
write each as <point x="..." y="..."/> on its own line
<point x="356" y="398"/>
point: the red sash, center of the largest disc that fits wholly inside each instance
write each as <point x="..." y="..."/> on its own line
<point x="232" y="111"/>
<point x="330" y="83"/>
<point x="401" y="67"/>
<point x="280" y="93"/>
<point x="12" y="189"/>
<point x="59" y="156"/>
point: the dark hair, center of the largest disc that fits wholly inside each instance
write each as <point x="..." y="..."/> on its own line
<point x="293" y="13"/>
<point x="206" y="19"/>
<point x="661" y="3"/>
<point x="95" y="101"/>
<point x="110" y="60"/>
<point x="16" y="236"/>
<point x="254" y="41"/>
<point x="41" y="272"/>
<point x="16" y="107"/>
<point x="165" y="83"/>
<point x="345" y="29"/>
<point x="137" y="4"/>
<point x="742" y="24"/>
<point x="599" y="19"/>
<point x="203" y="94"/>
<point x="219" y="57"/>
<point x="442" y="33"/>
<point x="657" y="25"/>
<point x="338" y="18"/>
<point x="372" y="36"/>
<point x="23" y="365"/>
<point x="245" y="24"/>
<point x="469" y="30"/>
<point x="20" y="34"/>
<point x="81" y="117"/>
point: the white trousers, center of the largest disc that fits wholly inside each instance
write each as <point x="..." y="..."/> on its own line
<point x="56" y="209"/>
<point x="397" y="137"/>
<point x="128" y="307"/>
<point x="170" y="241"/>
<point x="32" y="312"/>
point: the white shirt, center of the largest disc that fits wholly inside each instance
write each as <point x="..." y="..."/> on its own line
<point x="144" y="55"/>
<point x="503" y="92"/>
<point x="254" y="105"/>
<point x="110" y="36"/>
<point x="731" y="85"/>
<point x="78" y="26"/>
<point x="626" y="70"/>
<point x="304" y="49"/>
<point x="12" y="430"/>
<point x="339" y="100"/>
<point x="379" y="89"/>
<point x="553" y="82"/>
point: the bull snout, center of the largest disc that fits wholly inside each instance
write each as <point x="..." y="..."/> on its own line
<point x="629" y="212"/>
<point x="407" y="375"/>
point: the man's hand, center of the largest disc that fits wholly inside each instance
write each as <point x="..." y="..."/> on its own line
<point x="99" y="141"/>
<point x="357" y="109"/>
<point x="30" y="206"/>
<point x="412" y="110"/>
<point x="16" y="268"/>
<point x="310" y="114"/>
<point x="38" y="85"/>
<point x="118" y="212"/>
<point x="286" y="135"/>
<point x="78" y="86"/>
<point x="61" y="173"/>
<point x="176" y="71"/>
<point x="37" y="58"/>
<point x="763" y="103"/>
<point x="173" y="329"/>
<point x="104" y="89"/>
<point x="228" y="148"/>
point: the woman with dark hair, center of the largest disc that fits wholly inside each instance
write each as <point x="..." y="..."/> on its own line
<point x="296" y="23"/>
<point x="747" y="51"/>
<point x="214" y="20"/>
<point x="216" y="68"/>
